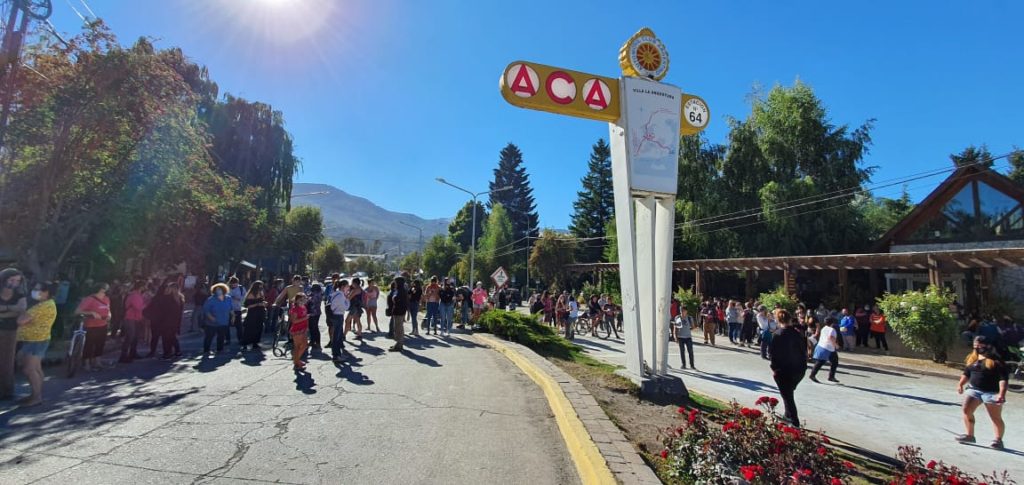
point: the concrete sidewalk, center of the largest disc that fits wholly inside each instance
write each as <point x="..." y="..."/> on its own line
<point x="873" y="408"/>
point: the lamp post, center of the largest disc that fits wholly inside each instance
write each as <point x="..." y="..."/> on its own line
<point x="419" y="262"/>
<point x="472" y="243"/>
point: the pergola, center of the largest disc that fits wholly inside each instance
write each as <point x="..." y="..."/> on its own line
<point x="934" y="262"/>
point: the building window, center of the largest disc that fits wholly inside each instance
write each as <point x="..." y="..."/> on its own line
<point x="978" y="212"/>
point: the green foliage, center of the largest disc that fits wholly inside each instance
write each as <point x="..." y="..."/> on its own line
<point x="779" y="296"/>
<point x="972" y="155"/>
<point x="529" y="331"/>
<point x="880" y="213"/>
<point x="688" y="299"/>
<point x="611" y="239"/>
<point x="1016" y="161"/>
<point x="461" y="228"/>
<point x="594" y="205"/>
<point x="495" y="248"/>
<point x="737" y="200"/>
<point x="518" y="201"/>
<point x="411" y="262"/>
<point x="922" y="320"/>
<point x="440" y="255"/>
<point x="327" y="258"/>
<point x="549" y="256"/>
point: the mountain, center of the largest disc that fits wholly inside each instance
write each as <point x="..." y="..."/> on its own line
<point x="348" y="216"/>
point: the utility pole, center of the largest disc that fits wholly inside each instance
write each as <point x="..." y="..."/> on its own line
<point x="419" y="260"/>
<point x="472" y="245"/>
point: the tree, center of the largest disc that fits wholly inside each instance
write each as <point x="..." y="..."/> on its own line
<point x="594" y="205"/>
<point x="412" y="262"/>
<point x="327" y="258"/>
<point x="495" y="248"/>
<point x="880" y="213"/>
<point x="440" y="255"/>
<point x="517" y="201"/>
<point x="461" y="228"/>
<point x="549" y="256"/>
<point x="1017" y="166"/>
<point x="922" y="320"/>
<point x="972" y="155"/>
<point x="303" y="231"/>
<point x="611" y="242"/>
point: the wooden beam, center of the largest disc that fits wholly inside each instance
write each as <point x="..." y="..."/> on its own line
<point x="981" y="263"/>
<point x="934" y="272"/>
<point x="844" y="291"/>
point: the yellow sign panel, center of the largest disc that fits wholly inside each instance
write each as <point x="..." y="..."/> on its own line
<point x="643" y="55"/>
<point x="694" y="113"/>
<point x="557" y="90"/>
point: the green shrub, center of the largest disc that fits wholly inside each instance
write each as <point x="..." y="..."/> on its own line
<point x="922" y="320"/>
<point x="778" y="295"/>
<point x="529" y="331"/>
<point x="688" y="299"/>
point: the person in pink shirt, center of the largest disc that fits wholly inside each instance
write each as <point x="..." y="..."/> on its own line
<point x="479" y="299"/>
<point x="134" y="303"/>
<point x="96" y="310"/>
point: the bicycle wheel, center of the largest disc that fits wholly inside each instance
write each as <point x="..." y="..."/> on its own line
<point x="75" y="355"/>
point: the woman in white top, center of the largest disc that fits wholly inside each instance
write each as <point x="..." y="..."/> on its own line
<point x="827" y="350"/>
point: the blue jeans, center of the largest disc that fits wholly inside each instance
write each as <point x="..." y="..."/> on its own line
<point x="337" y="322"/>
<point x="432" y="320"/>
<point x="414" y="310"/>
<point x="766" y="340"/>
<point x="447" y="314"/>
<point x="465" y="312"/>
<point x="734" y="332"/>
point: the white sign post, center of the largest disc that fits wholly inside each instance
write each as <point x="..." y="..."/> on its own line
<point x="646" y="118"/>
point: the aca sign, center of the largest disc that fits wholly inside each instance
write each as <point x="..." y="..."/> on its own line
<point x="546" y="88"/>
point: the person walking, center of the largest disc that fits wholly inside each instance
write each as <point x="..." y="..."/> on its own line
<point x="165" y="312"/>
<point x="34" y="328"/>
<point x="372" y="294"/>
<point x="218" y="313"/>
<point x="878" y="324"/>
<point x="848" y="329"/>
<point x="338" y="307"/>
<point x="255" y="316"/>
<point x="134" y="304"/>
<point x="415" y="295"/>
<point x="432" y="295"/>
<point x="732" y="317"/>
<point x="682" y="333"/>
<point x="399" y="303"/>
<point x="986" y="377"/>
<point x="767" y="325"/>
<point x="96" y="309"/>
<point x="446" y="298"/>
<point x="298" y="317"/>
<point x="827" y="349"/>
<point x="237" y="295"/>
<point x="788" y="363"/>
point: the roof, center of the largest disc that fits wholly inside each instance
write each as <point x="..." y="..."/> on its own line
<point x="937" y="199"/>
<point x="946" y="260"/>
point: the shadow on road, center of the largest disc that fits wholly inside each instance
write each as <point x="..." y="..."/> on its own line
<point x="422" y="359"/>
<point x="728" y="380"/>
<point x="873" y="370"/>
<point x="304" y="382"/>
<point x="253" y="359"/>
<point x="926" y="400"/>
<point x="346" y="371"/>
<point x="210" y="364"/>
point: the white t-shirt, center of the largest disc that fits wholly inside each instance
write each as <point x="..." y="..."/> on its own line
<point x="825" y="340"/>
<point x="574" y="309"/>
<point x="339" y="302"/>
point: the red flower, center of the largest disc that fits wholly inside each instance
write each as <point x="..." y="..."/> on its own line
<point x="681" y="410"/>
<point x="931" y="465"/>
<point x="751" y="413"/>
<point x="849" y="465"/>
<point x="664" y="454"/>
<point x="824" y="439"/>
<point x="836" y="481"/>
<point x="762" y="400"/>
<point x="807" y="472"/>
<point x="731" y="425"/>
<point x="822" y="451"/>
<point x="911" y="479"/>
<point x="751" y="472"/>
<point x="773" y="402"/>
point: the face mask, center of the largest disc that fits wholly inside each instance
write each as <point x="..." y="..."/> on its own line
<point x="36" y="294"/>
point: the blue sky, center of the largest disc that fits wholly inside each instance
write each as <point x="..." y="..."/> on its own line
<point x="383" y="96"/>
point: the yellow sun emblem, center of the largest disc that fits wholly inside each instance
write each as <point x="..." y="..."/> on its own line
<point x="643" y="55"/>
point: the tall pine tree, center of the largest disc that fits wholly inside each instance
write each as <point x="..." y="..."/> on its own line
<point x="595" y="204"/>
<point x="517" y="201"/>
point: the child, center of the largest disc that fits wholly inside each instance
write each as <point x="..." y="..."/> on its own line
<point x="298" y="316"/>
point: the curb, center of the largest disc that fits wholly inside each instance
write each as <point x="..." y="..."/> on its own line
<point x="598" y="448"/>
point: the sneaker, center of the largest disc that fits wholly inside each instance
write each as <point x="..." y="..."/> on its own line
<point x="833" y="379"/>
<point x="815" y="379"/>
<point x="965" y="438"/>
<point x="997" y="444"/>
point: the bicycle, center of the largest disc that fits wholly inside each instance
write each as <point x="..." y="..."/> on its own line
<point x="76" y="347"/>
<point x="583" y="325"/>
<point x="282" y="344"/>
<point x="605" y="329"/>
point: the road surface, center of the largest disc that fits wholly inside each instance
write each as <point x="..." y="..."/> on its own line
<point x="445" y="411"/>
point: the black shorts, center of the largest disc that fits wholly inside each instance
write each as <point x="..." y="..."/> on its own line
<point x="95" y="339"/>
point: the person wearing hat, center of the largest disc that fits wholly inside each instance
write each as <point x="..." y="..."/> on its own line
<point x="986" y="378"/>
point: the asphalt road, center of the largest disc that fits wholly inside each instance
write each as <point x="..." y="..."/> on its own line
<point x="445" y="411"/>
<point x="873" y="408"/>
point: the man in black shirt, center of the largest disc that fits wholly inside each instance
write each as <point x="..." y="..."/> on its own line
<point x="447" y="296"/>
<point x="788" y="363"/>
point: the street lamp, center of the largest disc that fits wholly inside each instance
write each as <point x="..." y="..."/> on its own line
<point x="420" y="261"/>
<point x="309" y="193"/>
<point x="472" y="243"/>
